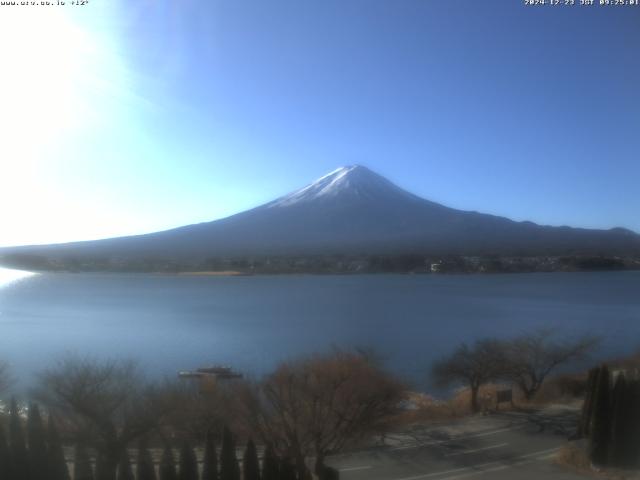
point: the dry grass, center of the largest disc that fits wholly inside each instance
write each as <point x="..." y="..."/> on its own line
<point x="427" y="409"/>
<point x="430" y="410"/>
<point x="574" y="457"/>
<point x="563" y="389"/>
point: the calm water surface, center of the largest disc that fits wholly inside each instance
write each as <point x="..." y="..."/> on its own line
<point x="170" y="323"/>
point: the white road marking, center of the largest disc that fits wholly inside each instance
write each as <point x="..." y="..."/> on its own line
<point x="473" y="469"/>
<point x="456" y="439"/>
<point x="353" y="469"/>
<point x="499" y="468"/>
<point x="465" y="452"/>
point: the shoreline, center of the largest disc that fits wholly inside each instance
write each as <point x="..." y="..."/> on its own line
<point x="406" y="264"/>
<point x="210" y="273"/>
<point x="237" y="273"/>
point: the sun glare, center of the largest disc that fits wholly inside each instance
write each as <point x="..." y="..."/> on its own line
<point x="60" y="81"/>
<point x="43" y="55"/>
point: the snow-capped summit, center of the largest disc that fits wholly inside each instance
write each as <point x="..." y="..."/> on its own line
<point x="354" y="181"/>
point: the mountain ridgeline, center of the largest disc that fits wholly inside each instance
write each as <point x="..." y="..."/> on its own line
<point x="350" y="213"/>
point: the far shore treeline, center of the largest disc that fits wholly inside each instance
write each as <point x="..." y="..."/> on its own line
<point x="328" y="264"/>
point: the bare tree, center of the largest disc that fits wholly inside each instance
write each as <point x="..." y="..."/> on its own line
<point x="108" y="403"/>
<point x="471" y="365"/>
<point x="533" y="356"/>
<point x="195" y="414"/>
<point x="319" y="405"/>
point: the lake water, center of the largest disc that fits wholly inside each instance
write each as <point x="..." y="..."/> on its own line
<point x="172" y="323"/>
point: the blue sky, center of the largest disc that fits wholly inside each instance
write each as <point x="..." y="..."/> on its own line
<point x="130" y="117"/>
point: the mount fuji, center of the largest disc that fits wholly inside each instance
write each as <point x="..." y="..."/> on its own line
<point x="351" y="210"/>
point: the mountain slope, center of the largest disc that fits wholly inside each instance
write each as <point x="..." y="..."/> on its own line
<point x="351" y="210"/>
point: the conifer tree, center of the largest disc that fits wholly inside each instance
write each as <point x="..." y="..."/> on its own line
<point x="38" y="469"/>
<point x="250" y="465"/>
<point x="145" y="469"/>
<point x="188" y="463"/>
<point x="56" y="463"/>
<point x="329" y="473"/>
<point x="125" y="471"/>
<point x="626" y="427"/>
<point x="81" y="464"/>
<point x="210" y="461"/>
<point x="287" y="472"/>
<point x="18" y="449"/>
<point x="168" y="465"/>
<point x="600" y="428"/>
<point x="587" y="406"/>
<point x="5" y="456"/>
<point x="634" y="421"/>
<point x="103" y="470"/>
<point x="270" y="465"/>
<point x="619" y="422"/>
<point x="229" y="468"/>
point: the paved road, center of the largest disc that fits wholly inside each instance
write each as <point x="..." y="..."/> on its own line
<point x="509" y="446"/>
